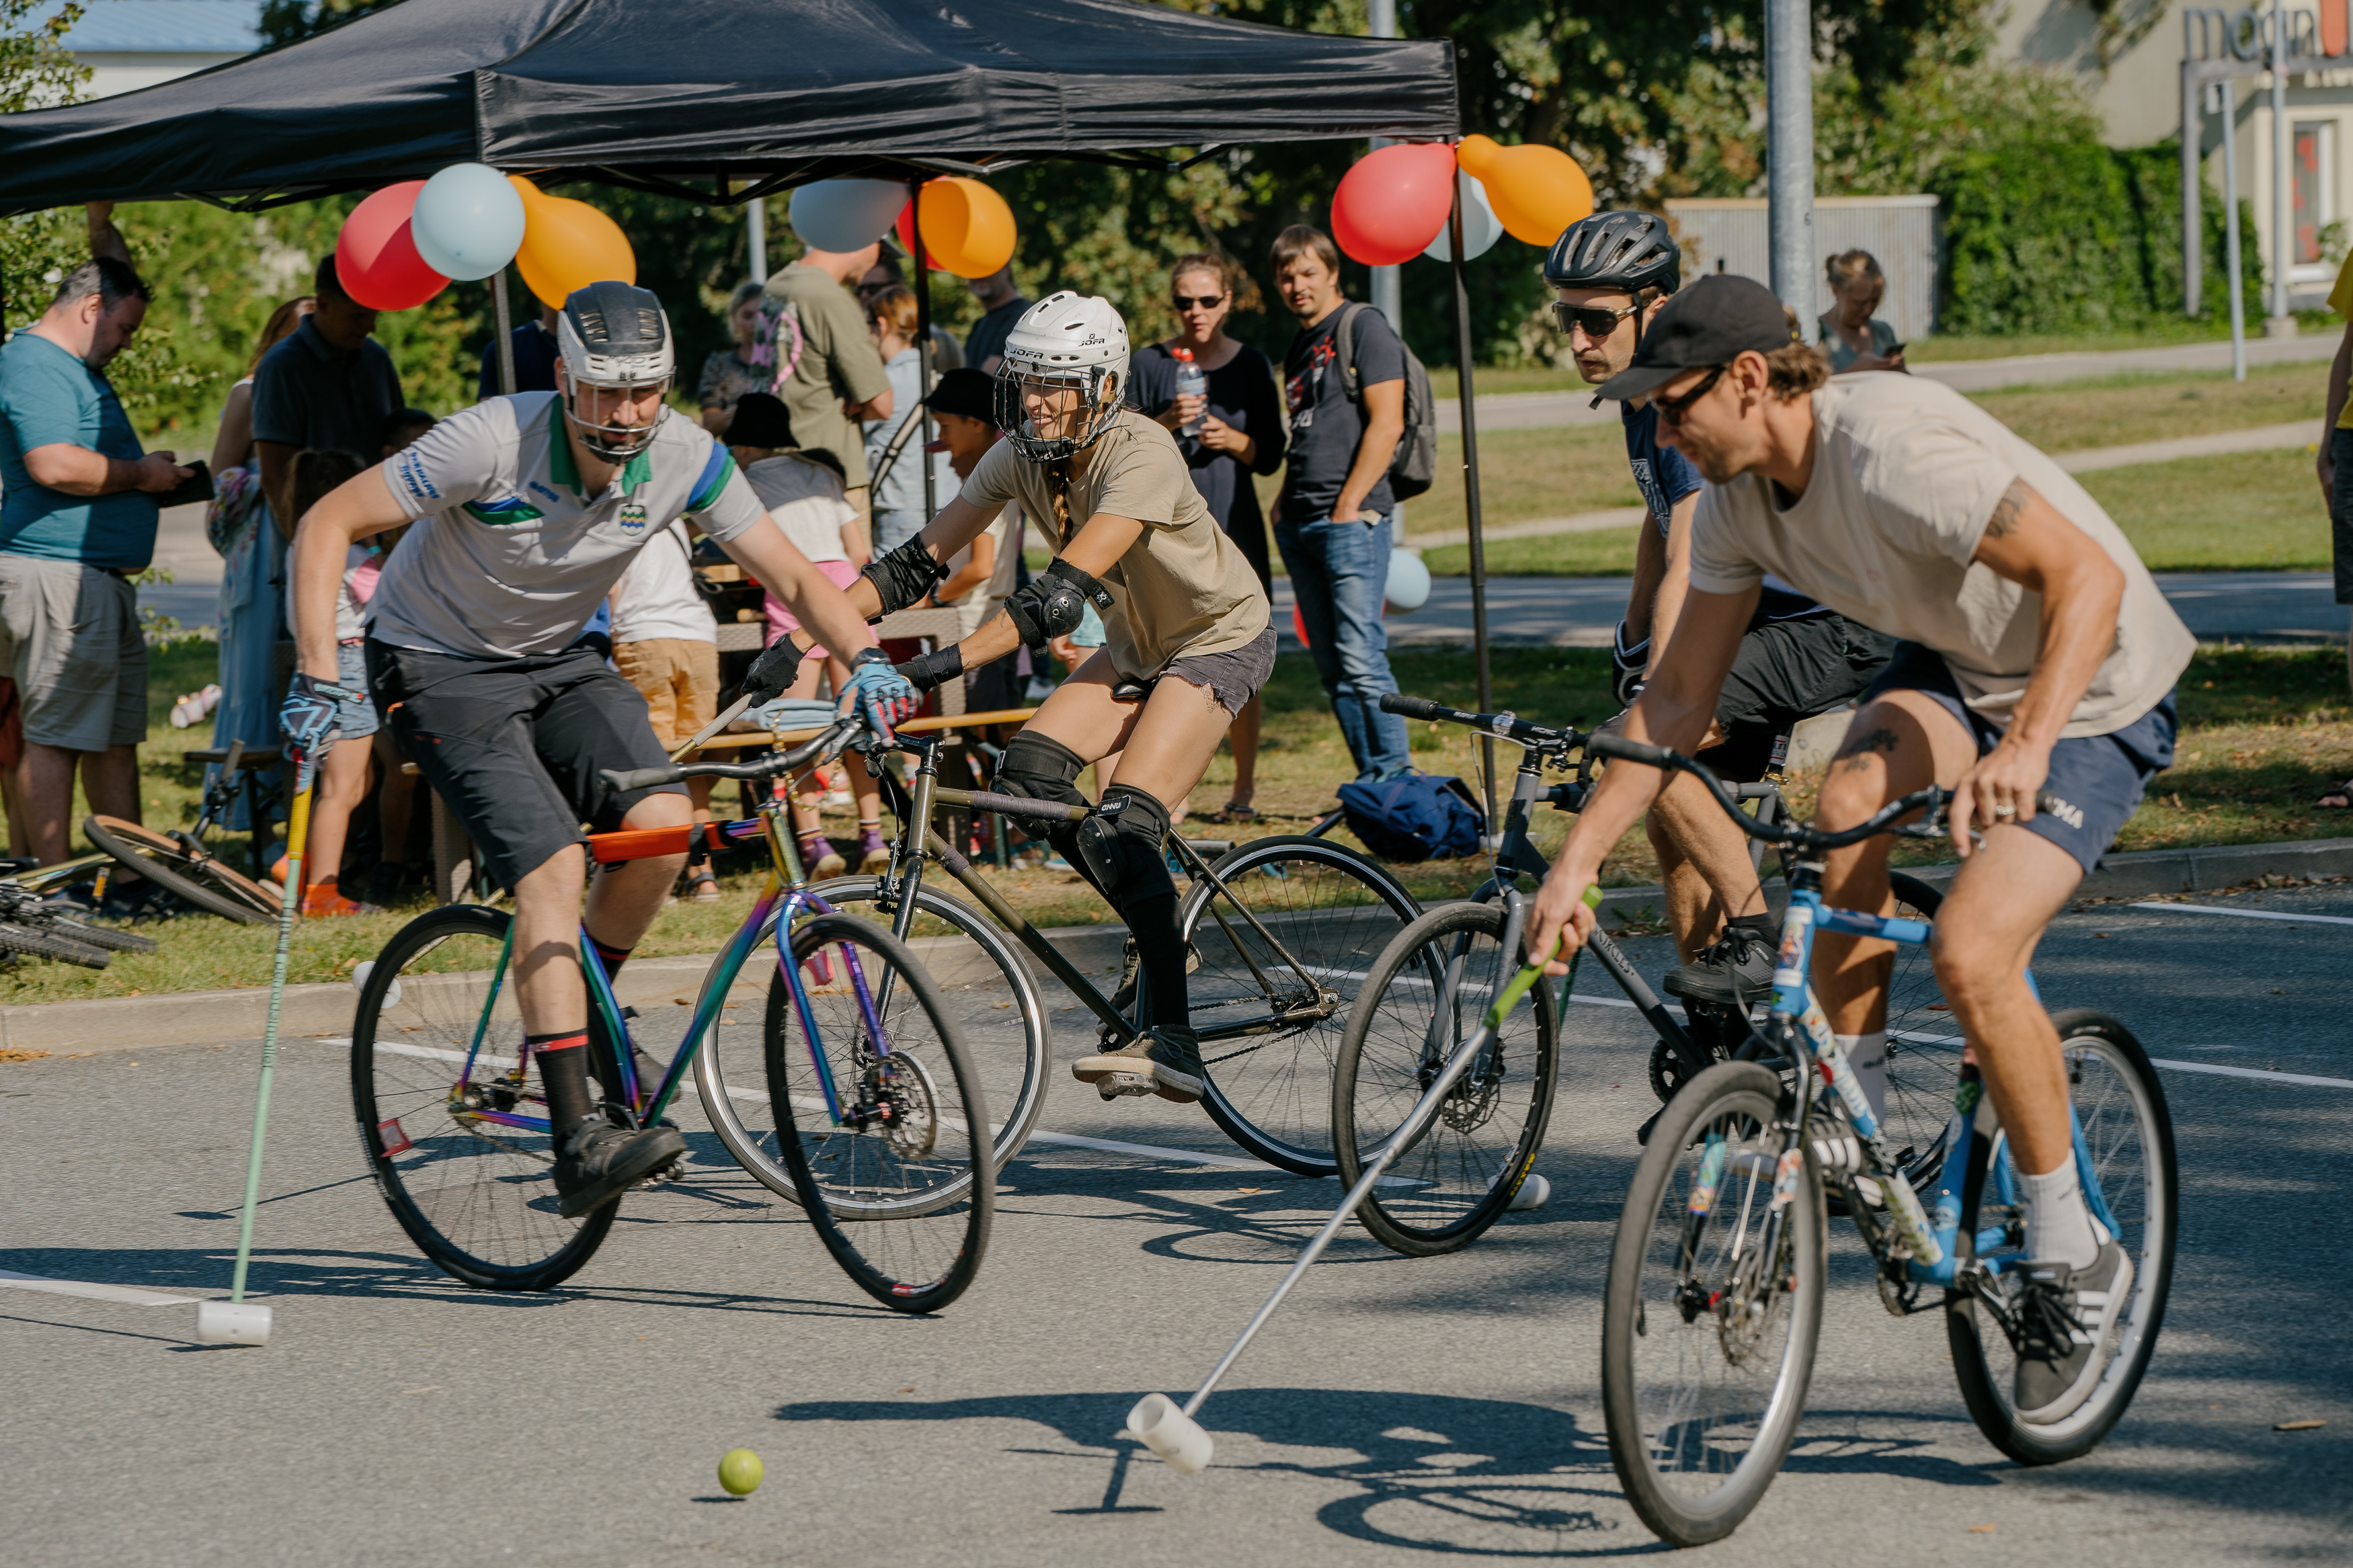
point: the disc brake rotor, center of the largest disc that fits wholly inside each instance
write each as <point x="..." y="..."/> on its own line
<point x="903" y="1083"/>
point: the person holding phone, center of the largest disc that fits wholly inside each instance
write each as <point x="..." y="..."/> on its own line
<point x="1853" y="335"/>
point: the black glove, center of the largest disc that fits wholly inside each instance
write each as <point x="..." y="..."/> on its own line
<point x="1627" y="663"/>
<point x="773" y="673"/>
<point x="927" y="670"/>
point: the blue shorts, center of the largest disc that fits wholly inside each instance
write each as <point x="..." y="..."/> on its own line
<point x="2097" y="780"/>
<point x="355" y="720"/>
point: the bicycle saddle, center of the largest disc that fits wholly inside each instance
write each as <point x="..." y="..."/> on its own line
<point x="1128" y="689"/>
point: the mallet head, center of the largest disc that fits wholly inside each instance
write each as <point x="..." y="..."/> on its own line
<point x="1160" y="1426"/>
<point x="232" y="1323"/>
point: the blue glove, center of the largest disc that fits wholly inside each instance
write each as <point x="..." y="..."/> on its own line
<point x="880" y="694"/>
<point x="790" y="713"/>
<point x="311" y="707"/>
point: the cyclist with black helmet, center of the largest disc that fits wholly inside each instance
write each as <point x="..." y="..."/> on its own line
<point x="1613" y="271"/>
<point x="527" y="509"/>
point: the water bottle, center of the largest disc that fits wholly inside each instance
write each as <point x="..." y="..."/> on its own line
<point x="1190" y="382"/>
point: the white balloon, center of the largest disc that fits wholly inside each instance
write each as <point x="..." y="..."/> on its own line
<point x="844" y="215"/>
<point x="1481" y="228"/>
<point x="1408" y="583"/>
<point x="467" y="222"/>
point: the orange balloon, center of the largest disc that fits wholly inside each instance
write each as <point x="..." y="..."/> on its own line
<point x="568" y="245"/>
<point x="1537" y="191"/>
<point x="967" y="227"/>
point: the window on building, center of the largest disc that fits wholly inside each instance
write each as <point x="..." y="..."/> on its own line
<point x="2318" y="243"/>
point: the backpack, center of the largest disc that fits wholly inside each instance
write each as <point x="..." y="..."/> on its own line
<point x="1414" y="467"/>
<point x="1414" y="817"/>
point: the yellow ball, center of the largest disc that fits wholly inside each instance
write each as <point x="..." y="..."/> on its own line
<point x="740" y="1472"/>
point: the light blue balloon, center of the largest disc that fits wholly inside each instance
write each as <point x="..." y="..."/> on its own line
<point x="1481" y="228"/>
<point x="469" y="222"/>
<point x="1408" y="587"/>
<point x="846" y="215"/>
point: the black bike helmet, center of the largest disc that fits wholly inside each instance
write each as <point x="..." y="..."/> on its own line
<point x="1628" y="251"/>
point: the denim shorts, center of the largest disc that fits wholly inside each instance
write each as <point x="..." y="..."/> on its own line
<point x="355" y="720"/>
<point x="2097" y="781"/>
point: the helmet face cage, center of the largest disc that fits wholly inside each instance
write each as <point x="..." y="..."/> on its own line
<point x="614" y="337"/>
<point x="615" y="442"/>
<point x="1098" y="388"/>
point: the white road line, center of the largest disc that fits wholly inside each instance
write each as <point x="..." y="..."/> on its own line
<point x="2253" y="1072"/>
<point x="122" y="1293"/>
<point x="2246" y="914"/>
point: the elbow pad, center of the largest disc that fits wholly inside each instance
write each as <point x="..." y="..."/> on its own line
<point x="1055" y="603"/>
<point x="904" y="575"/>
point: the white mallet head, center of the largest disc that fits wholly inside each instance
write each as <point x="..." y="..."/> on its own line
<point x="1170" y="1432"/>
<point x="1533" y="1193"/>
<point x="232" y="1323"/>
<point x="360" y="972"/>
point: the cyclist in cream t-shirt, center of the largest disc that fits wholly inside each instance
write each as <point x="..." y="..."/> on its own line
<point x="2037" y="655"/>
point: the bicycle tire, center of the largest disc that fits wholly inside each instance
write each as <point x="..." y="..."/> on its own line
<point x="197" y="877"/>
<point x="987" y="988"/>
<point x="1743" y="1434"/>
<point x="1271" y="1092"/>
<point x="2125" y="1110"/>
<point x="36" y="944"/>
<point x="904" y="1200"/>
<point x="1428" y="992"/>
<point x="479" y="1201"/>
<point x="90" y="935"/>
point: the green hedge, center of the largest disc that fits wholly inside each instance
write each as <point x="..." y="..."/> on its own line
<point x="2075" y="237"/>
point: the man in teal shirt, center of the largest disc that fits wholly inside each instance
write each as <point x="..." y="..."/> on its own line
<point x="77" y="515"/>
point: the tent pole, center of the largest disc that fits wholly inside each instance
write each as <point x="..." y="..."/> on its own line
<point x="506" y="332"/>
<point x="1471" y="500"/>
<point x="923" y="347"/>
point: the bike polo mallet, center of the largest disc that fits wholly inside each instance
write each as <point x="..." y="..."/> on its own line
<point x="238" y="1321"/>
<point x="1169" y="1430"/>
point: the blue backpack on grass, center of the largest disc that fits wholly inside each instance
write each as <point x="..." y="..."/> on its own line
<point x="1414" y="817"/>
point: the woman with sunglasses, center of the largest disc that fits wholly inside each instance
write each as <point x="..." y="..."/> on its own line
<point x="1614" y="271"/>
<point x="1240" y="434"/>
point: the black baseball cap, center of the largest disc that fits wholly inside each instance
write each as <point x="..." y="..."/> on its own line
<point x="1710" y="323"/>
<point x="965" y="391"/>
<point x="761" y="419"/>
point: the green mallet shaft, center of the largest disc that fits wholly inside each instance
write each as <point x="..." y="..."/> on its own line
<point x="298" y="832"/>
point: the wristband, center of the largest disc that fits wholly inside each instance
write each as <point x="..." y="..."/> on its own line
<point x="928" y="670"/>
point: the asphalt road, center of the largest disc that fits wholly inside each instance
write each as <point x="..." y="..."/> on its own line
<point x="1396" y="1411"/>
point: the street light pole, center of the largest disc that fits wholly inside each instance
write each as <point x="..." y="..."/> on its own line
<point x="2282" y="325"/>
<point x="1388" y="292"/>
<point x="1789" y="116"/>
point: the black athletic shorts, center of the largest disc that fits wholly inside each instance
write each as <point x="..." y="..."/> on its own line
<point x="1785" y="671"/>
<point x="515" y="745"/>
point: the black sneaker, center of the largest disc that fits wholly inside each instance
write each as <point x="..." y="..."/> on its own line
<point x="2064" y="1318"/>
<point x="1736" y="970"/>
<point x="1175" y="1054"/>
<point x="600" y="1162"/>
<point x="383" y="887"/>
<point x="1131" y="964"/>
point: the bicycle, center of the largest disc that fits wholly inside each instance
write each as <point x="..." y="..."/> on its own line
<point x="1723" y="1227"/>
<point x="1274" y="923"/>
<point x="877" y="1101"/>
<point x="31" y="924"/>
<point x="182" y="862"/>
<point x="1429" y="989"/>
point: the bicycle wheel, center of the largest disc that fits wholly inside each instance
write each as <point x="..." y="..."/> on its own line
<point x="47" y="919"/>
<point x="37" y="942"/>
<point x="1271" y="1016"/>
<point x="884" y="1136"/>
<point x="987" y="990"/>
<point x="1428" y="994"/>
<point x="1702" y="1399"/>
<point x="2128" y="1133"/>
<point x="194" y="875"/>
<point x="477" y="1198"/>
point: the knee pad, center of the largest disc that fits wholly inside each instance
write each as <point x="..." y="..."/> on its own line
<point x="1038" y="768"/>
<point x="1121" y="844"/>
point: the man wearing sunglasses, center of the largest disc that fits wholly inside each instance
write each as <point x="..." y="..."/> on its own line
<point x="1614" y="271"/>
<point x="2039" y="659"/>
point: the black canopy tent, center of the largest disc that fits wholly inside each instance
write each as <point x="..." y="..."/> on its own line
<point x="726" y="100"/>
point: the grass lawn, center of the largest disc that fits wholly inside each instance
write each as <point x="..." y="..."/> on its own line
<point x="2115" y="410"/>
<point x="2265" y="732"/>
<point x="2240" y="512"/>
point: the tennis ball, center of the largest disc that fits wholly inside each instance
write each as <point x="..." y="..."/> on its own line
<point x="740" y="1472"/>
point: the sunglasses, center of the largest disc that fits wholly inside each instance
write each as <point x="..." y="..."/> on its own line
<point x="1185" y="302"/>
<point x="1672" y="409"/>
<point x="1593" y="322"/>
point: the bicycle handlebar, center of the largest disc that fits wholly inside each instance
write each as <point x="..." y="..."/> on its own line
<point x="1504" y="726"/>
<point x="824" y="744"/>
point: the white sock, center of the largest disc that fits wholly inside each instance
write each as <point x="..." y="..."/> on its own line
<point x="2058" y="1225"/>
<point x="1867" y="1055"/>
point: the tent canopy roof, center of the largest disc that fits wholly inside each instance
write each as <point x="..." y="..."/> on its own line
<point x="691" y="94"/>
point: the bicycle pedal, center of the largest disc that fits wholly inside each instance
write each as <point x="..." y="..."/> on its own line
<point x="1119" y="1083"/>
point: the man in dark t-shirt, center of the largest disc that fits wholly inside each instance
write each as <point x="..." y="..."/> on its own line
<point x="328" y="386"/>
<point x="1335" y="521"/>
<point x="1003" y="302"/>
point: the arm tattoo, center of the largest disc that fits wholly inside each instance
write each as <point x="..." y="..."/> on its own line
<point x="1855" y="753"/>
<point x="2010" y="510"/>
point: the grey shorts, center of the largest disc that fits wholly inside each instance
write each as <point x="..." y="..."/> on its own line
<point x="1234" y="677"/>
<point x="69" y="636"/>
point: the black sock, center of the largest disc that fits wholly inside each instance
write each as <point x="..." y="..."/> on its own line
<point x="564" y="1073"/>
<point x="1160" y="947"/>
<point x="1764" y="925"/>
<point x="613" y="958"/>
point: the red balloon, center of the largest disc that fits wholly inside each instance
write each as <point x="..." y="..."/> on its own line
<point x="1393" y="203"/>
<point x="376" y="256"/>
<point x="906" y="226"/>
<point x="1298" y="625"/>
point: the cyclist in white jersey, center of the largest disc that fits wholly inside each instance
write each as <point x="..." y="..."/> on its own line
<point x="527" y="509"/>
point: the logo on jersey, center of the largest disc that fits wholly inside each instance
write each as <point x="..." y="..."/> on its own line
<point x="633" y="516"/>
<point x="542" y="489"/>
<point x="410" y="471"/>
<point x="1653" y="496"/>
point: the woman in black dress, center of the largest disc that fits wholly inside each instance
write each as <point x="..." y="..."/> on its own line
<point x="1242" y="429"/>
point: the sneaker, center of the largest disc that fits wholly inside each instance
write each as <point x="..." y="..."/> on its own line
<point x="873" y="851"/>
<point x="2063" y="1318"/>
<point x="1131" y="964"/>
<point x="383" y="887"/>
<point x="323" y="899"/>
<point x="821" y="857"/>
<point x="1127" y="1070"/>
<point x="600" y="1162"/>
<point x="1165" y="1060"/>
<point x="1736" y="970"/>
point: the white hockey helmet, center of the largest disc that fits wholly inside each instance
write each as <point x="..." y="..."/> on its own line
<point x="1065" y="340"/>
<point x="614" y="335"/>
